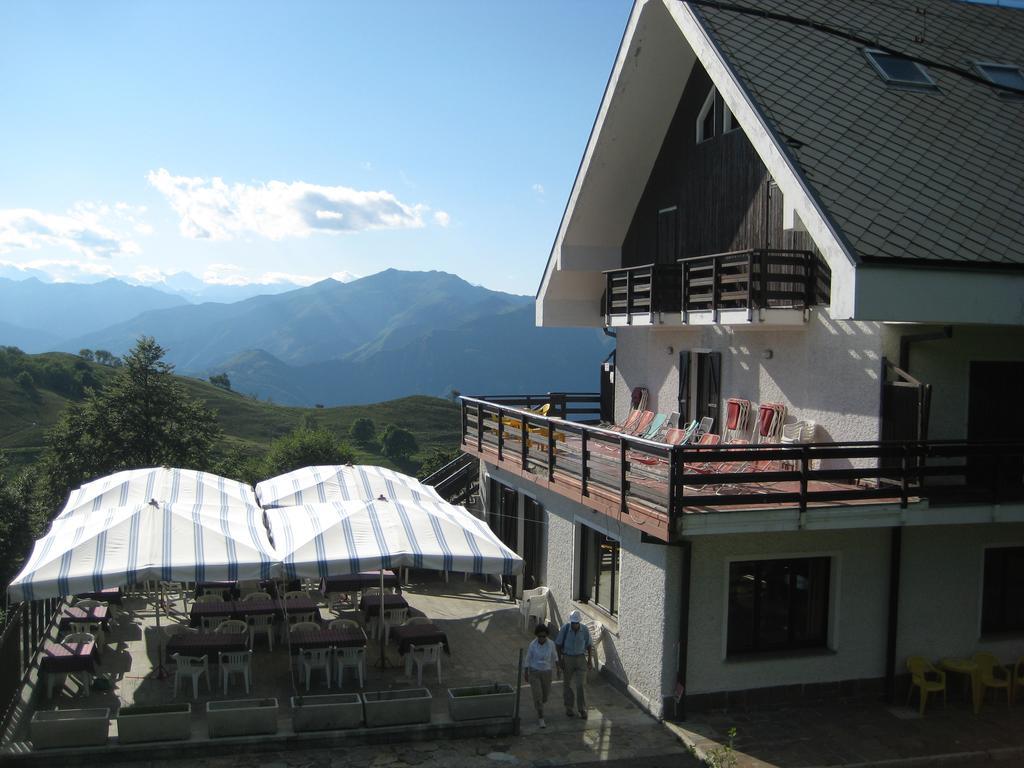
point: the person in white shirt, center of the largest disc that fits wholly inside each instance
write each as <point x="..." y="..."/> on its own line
<point x="541" y="663"/>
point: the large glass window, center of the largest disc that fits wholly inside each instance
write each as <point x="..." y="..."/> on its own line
<point x="778" y="604"/>
<point x="600" y="562"/>
<point x="1002" y="603"/>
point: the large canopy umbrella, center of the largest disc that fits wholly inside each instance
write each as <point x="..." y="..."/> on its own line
<point x="312" y="485"/>
<point x="116" y="546"/>
<point x="163" y="484"/>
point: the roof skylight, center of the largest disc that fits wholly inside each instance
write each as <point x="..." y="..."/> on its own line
<point x="1005" y="75"/>
<point x="899" y="70"/>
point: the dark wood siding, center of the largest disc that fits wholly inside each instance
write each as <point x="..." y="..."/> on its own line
<point x="720" y="186"/>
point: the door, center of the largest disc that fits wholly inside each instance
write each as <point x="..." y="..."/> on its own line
<point x="994" y="413"/>
<point x="709" y="387"/>
<point x="533" y="543"/>
<point x="508" y="531"/>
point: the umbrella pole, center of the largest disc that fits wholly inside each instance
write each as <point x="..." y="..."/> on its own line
<point x="160" y="671"/>
<point x="383" y="661"/>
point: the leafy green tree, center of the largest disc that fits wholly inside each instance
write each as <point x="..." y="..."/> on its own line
<point x="86" y="354"/>
<point x="27" y="384"/>
<point x="436" y="458"/>
<point x="19" y="522"/>
<point x="221" y="380"/>
<point x="398" y="443"/>
<point x="141" y="418"/>
<point x="363" y="430"/>
<point x="305" y="447"/>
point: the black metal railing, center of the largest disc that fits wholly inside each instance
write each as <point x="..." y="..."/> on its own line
<point x="647" y="290"/>
<point x="664" y="480"/>
<point x="751" y="280"/>
<point x="25" y="627"/>
<point x="458" y="480"/>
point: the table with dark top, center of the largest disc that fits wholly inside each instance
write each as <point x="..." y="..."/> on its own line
<point x="370" y="604"/>
<point x="226" y="589"/>
<point x="239" y="609"/>
<point x="62" y="658"/>
<point x="206" y="644"/>
<point x="327" y="638"/>
<point x="356" y="582"/>
<point x="114" y="596"/>
<point x="419" y="634"/>
<point x="73" y="614"/>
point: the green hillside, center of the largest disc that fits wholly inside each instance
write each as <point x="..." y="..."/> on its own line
<point x="249" y="425"/>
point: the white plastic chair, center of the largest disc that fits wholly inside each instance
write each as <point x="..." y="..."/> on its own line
<point x="211" y="623"/>
<point x="232" y="627"/>
<point x="306" y="617"/>
<point x="534" y="605"/>
<point x="393" y="617"/>
<point x="208" y="598"/>
<point x="261" y="624"/>
<point x="345" y="624"/>
<point x="304" y="626"/>
<point x="412" y="620"/>
<point x="349" y="657"/>
<point x="93" y="628"/>
<point x="315" y="658"/>
<point x="235" y="661"/>
<point x="191" y="666"/>
<point x="51" y="679"/>
<point x="171" y="592"/>
<point x="421" y="656"/>
<point x="257" y="596"/>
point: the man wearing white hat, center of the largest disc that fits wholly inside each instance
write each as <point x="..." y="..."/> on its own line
<point x="575" y="657"/>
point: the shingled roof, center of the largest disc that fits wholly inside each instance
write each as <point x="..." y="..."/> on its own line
<point x="906" y="175"/>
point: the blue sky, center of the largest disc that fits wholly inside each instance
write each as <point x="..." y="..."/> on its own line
<point x="255" y="141"/>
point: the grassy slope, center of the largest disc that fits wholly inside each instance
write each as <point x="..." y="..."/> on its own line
<point x="248" y="424"/>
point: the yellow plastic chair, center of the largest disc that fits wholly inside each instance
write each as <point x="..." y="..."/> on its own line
<point x="992" y="674"/>
<point x="514" y="423"/>
<point x="1018" y="678"/>
<point x="926" y="678"/>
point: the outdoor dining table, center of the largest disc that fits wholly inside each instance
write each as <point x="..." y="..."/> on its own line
<point x="239" y="609"/>
<point x="206" y="643"/>
<point x="419" y="634"/>
<point x="62" y="658"/>
<point x="73" y="614"/>
<point x="970" y="668"/>
<point x="370" y="604"/>
<point x="356" y="582"/>
<point x="113" y="596"/>
<point x="227" y="589"/>
<point x="327" y="638"/>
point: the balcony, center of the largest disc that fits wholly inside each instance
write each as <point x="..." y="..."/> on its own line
<point x="754" y="287"/>
<point x="670" y="491"/>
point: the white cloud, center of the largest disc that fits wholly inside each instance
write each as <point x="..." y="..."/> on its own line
<point x="212" y="209"/>
<point x="232" y="274"/>
<point x="84" y="230"/>
<point x="58" y="270"/>
<point x="538" y="189"/>
<point x="442" y="218"/>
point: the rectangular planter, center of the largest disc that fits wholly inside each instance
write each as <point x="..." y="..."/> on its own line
<point x="69" y="728"/>
<point x="328" y="712"/>
<point x="166" y="722"/>
<point x="401" y="707"/>
<point x="479" y="701"/>
<point x="241" y="717"/>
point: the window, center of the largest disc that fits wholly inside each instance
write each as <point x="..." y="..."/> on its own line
<point x="706" y="119"/>
<point x="1004" y="76"/>
<point x="600" y="561"/>
<point x="728" y="120"/>
<point x="1002" y="600"/>
<point x="899" y="70"/>
<point x="778" y="604"/>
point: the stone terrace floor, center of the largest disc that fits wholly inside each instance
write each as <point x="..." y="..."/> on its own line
<point x="485" y="633"/>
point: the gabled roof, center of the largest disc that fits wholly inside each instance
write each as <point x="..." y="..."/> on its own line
<point x="906" y="175"/>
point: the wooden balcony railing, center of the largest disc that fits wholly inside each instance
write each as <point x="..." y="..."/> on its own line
<point x="649" y="485"/>
<point x="751" y="280"/>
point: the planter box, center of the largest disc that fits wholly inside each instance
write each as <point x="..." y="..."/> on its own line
<point x="328" y="712"/>
<point x="69" y="728"/>
<point x="479" y="701"/>
<point x="402" y="707"/>
<point x="168" y="722"/>
<point x="241" y="717"/>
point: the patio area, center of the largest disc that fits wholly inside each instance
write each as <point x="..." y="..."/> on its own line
<point x="484" y="631"/>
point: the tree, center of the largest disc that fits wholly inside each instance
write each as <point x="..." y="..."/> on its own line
<point x="103" y="357"/>
<point x="27" y="384"/>
<point x="363" y="430"/>
<point x="398" y="444"/>
<point x="19" y="523"/>
<point x="86" y="354"/>
<point x="436" y="459"/>
<point x="221" y="380"/>
<point x="305" y="447"/>
<point x="141" y="418"/>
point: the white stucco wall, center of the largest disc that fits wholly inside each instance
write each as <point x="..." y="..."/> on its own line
<point x="826" y="371"/>
<point x="940" y="591"/>
<point x="640" y="648"/>
<point x="945" y="364"/>
<point x="857" y="605"/>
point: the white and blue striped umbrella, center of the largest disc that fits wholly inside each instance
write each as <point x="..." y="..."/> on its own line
<point x="116" y="546"/>
<point x="166" y="485"/>
<point x="341" y="537"/>
<point x="317" y="485"/>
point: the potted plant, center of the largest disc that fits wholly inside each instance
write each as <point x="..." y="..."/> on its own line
<point x="69" y="728"/>
<point x="401" y="707"/>
<point x="326" y="712"/>
<point x="478" y="701"/>
<point x="241" y="717"/>
<point x="164" y="722"/>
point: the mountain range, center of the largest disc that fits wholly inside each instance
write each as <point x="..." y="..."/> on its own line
<point x="380" y="337"/>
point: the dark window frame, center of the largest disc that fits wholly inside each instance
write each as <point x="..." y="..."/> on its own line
<point x="592" y="541"/>
<point x="706" y="112"/>
<point x="877" y="59"/>
<point x="984" y="68"/>
<point x="1002" y="595"/>
<point x="746" y="630"/>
